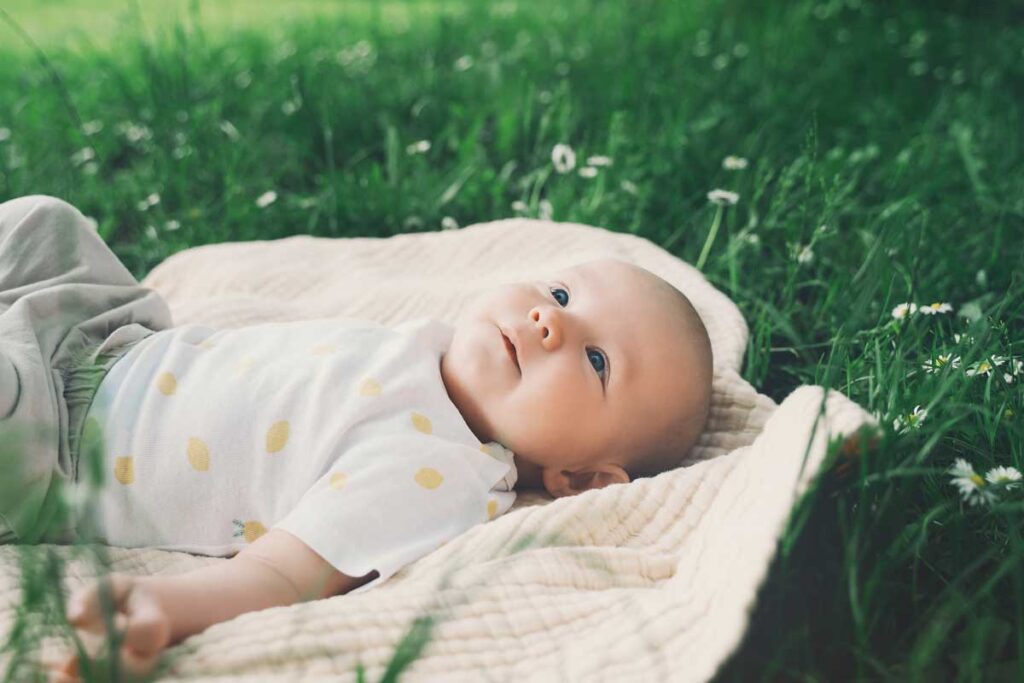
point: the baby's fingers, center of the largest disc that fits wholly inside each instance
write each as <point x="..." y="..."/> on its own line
<point x="85" y="608"/>
<point x="148" y="630"/>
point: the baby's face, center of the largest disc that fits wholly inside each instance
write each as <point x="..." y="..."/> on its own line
<point x="595" y="367"/>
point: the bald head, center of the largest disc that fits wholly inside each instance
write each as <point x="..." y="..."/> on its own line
<point x="690" y="377"/>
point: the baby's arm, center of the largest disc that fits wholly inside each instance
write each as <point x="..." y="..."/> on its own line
<point x="276" y="569"/>
<point x="153" y="612"/>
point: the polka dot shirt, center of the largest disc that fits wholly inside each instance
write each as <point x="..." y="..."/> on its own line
<point x="339" y="431"/>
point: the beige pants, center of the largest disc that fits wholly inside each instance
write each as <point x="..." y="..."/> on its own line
<point x="68" y="309"/>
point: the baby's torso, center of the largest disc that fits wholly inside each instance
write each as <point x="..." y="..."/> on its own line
<point x="211" y="436"/>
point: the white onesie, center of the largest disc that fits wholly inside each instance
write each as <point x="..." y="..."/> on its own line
<point x="339" y="431"/>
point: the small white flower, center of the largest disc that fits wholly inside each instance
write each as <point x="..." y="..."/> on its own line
<point x="588" y="172"/>
<point x="723" y="197"/>
<point x="520" y="206"/>
<point x="732" y="163"/>
<point x="90" y="168"/>
<point x="172" y="225"/>
<point x="5" y="134"/>
<point x="545" y="96"/>
<point x="629" y="187"/>
<point x="418" y="147"/>
<point x="266" y="199"/>
<point x="229" y="130"/>
<point x="546" y="210"/>
<point x="134" y="132"/>
<point x="942" y="360"/>
<point x="599" y="161"/>
<point x="449" y="223"/>
<point x="563" y="158"/>
<point x="412" y="223"/>
<point x="935" y="308"/>
<point x="752" y="238"/>
<point x="1009" y="476"/>
<point x="243" y="80"/>
<point x="151" y="232"/>
<point x="913" y="420"/>
<point x="805" y="255"/>
<point x="984" y="367"/>
<point x="463" y="63"/>
<point x="972" y="487"/>
<point x="903" y="310"/>
<point x="289" y="107"/>
<point x="83" y="155"/>
<point x="151" y="200"/>
<point x="92" y="127"/>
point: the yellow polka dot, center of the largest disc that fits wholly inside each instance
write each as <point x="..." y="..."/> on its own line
<point x="486" y="450"/>
<point x="249" y="530"/>
<point x="124" y="469"/>
<point x="207" y="344"/>
<point x="422" y="423"/>
<point x="492" y="508"/>
<point x="166" y="383"/>
<point x="429" y="478"/>
<point x="338" y="480"/>
<point x="198" y="454"/>
<point x="323" y="349"/>
<point x="369" y="387"/>
<point x="277" y="436"/>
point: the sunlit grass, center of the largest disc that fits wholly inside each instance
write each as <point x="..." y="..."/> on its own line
<point x="882" y="169"/>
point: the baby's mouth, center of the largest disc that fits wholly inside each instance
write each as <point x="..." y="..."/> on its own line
<point x="511" y="349"/>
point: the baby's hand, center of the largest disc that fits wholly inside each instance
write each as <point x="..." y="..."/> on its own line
<point x="141" y="625"/>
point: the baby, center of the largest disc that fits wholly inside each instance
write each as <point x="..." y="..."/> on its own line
<point x="594" y="375"/>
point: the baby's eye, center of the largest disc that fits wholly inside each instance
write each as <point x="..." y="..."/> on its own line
<point x="600" y="364"/>
<point x="560" y="302"/>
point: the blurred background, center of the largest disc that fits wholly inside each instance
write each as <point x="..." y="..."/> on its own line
<point x="873" y="149"/>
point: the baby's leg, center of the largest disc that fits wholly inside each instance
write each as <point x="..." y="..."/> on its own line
<point x="62" y="294"/>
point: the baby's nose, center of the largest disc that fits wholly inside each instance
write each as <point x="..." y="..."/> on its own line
<point x="550" y="327"/>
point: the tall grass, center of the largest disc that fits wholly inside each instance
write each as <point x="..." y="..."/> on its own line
<point x="884" y="147"/>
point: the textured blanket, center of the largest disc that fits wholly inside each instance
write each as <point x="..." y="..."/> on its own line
<point x="651" y="580"/>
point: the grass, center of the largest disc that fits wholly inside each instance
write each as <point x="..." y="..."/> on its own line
<point x="883" y="142"/>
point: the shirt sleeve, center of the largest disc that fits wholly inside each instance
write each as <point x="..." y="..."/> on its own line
<point x="390" y="500"/>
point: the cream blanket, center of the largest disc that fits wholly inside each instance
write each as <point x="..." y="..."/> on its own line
<point x="653" y="580"/>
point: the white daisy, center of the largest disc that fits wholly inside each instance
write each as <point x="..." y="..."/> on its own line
<point x="83" y="155"/>
<point x="546" y="210"/>
<point x="588" y="172"/>
<point x="942" y="360"/>
<point x="563" y="158"/>
<point x="5" y="134"/>
<point x="229" y="129"/>
<point x="984" y="367"/>
<point x="449" y="223"/>
<point x="805" y="255"/>
<point x="911" y="421"/>
<point x="972" y="487"/>
<point x="599" y="161"/>
<point x="92" y="127"/>
<point x="731" y="163"/>
<point x="903" y="310"/>
<point x="418" y="147"/>
<point x="629" y="187"/>
<point x="723" y="197"/>
<point x="935" y="308"/>
<point x="151" y="200"/>
<point x="1008" y="476"/>
<point x="266" y="199"/>
<point x="520" y="206"/>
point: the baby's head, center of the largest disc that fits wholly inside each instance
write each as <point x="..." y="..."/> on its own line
<point x="609" y="378"/>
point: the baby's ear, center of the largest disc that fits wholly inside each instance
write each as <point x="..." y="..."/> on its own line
<point x="561" y="483"/>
